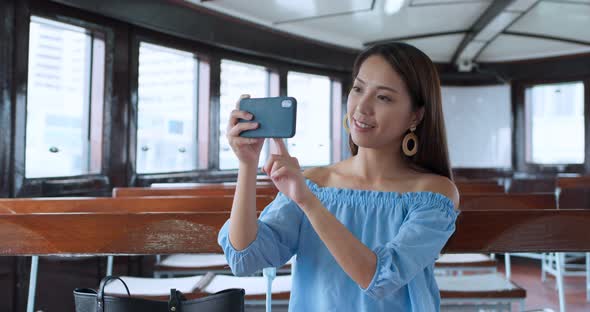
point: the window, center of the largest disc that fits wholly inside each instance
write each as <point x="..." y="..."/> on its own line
<point x="311" y="143"/>
<point x="167" y="110"/>
<point x="478" y="124"/>
<point x="65" y="98"/>
<point x="555" y="124"/>
<point x="237" y="79"/>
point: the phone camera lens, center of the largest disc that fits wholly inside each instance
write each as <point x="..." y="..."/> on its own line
<point x="286" y="103"/>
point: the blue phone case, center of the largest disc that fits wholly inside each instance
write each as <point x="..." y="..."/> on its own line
<point x="276" y="116"/>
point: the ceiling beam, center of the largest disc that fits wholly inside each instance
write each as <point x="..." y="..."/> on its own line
<point x="487" y="17"/>
<point x="545" y="37"/>
<point x="413" y="37"/>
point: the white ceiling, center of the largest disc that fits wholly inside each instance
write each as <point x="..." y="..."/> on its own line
<point x="524" y="29"/>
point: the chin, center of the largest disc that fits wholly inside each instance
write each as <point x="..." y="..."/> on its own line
<point x="368" y="143"/>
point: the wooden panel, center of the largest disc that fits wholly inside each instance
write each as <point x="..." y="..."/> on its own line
<point x="532" y="185"/>
<point x="110" y="233"/>
<point x="124" y="205"/>
<point x="507" y="201"/>
<point x="204" y="190"/>
<point x="573" y="182"/>
<point x="196" y="232"/>
<point x="479" y="187"/>
<point x="575" y="192"/>
<point x="574" y="199"/>
<point x="521" y="231"/>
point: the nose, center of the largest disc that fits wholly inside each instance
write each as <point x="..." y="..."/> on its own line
<point x="365" y="105"/>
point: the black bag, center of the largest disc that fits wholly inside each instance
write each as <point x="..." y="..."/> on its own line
<point x="88" y="300"/>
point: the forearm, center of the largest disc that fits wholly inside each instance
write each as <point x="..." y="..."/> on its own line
<point x="243" y="221"/>
<point x="356" y="259"/>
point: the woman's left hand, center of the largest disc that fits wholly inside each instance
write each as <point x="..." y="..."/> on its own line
<point x="286" y="174"/>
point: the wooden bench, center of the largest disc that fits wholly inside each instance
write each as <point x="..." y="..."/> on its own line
<point x="194" y="264"/>
<point x="127" y="231"/>
<point x="572" y="192"/>
<point x="126" y="205"/>
<point x="505" y="201"/>
<point x="492" y="201"/>
<point x="479" y="187"/>
<point x="201" y="190"/>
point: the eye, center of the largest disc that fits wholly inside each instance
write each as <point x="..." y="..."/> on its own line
<point x="384" y="98"/>
<point x="356" y="89"/>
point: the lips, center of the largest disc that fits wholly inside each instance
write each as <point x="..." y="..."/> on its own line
<point x="362" y="124"/>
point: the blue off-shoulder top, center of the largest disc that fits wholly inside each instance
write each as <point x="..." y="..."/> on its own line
<point x="405" y="230"/>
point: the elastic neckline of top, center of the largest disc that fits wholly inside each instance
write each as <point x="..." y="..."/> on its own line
<point x="349" y="191"/>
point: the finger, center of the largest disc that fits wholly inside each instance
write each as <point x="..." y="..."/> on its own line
<point x="269" y="163"/>
<point x="245" y="141"/>
<point x="240" y="127"/>
<point x="238" y="114"/>
<point x="243" y="96"/>
<point x="277" y="165"/>
<point x="279" y="173"/>
<point x="281" y="149"/>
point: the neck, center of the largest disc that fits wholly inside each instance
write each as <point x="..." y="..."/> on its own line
<point x="379" y="164"/>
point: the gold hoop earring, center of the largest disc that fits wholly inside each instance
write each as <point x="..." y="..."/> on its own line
<point x="410" y="150"/>
<point x="345" y="123"/>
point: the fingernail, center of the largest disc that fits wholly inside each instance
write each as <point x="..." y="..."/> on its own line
<point x="250" y="116"/>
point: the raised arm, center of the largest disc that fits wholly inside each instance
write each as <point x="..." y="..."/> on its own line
<point x="243" y="224"/>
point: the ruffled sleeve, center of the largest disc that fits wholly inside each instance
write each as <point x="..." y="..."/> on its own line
<point x="428" y="225"/>
<point x="277" y="239"/>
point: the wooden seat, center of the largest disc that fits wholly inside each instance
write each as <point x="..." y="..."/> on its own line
<point x="190" y="264"/>
<point x="481" y="290"/>
<point x="457" y="264"/>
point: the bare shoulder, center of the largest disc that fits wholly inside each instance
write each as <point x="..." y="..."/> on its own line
<point x="440" y="184"/>
<point x="317" y="175"/>
<point x="324" y="175"/>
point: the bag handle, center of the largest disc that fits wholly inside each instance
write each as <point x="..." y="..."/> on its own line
<point x="176" y="297"/>
<point x="100" y="295"/>
<point x="175" y="301"/>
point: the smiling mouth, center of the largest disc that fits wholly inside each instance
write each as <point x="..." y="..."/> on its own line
<point x="362" y="124"/>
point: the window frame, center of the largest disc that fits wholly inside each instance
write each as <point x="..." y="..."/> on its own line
<point x="206" y="67"/>
<point x="272" y="89"/>
<point x="335" y="86"/>
<point x="134" y="113"/>
<point x="212" y="56"/>
<point x="116" y="167"/>
<point x="520" y="126"/>
<point x="96" y="183"/>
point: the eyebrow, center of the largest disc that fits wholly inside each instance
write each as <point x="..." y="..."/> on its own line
<point x="378" y="87"/>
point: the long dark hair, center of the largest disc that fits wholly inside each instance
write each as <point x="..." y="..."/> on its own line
<point x="421" y="79"/>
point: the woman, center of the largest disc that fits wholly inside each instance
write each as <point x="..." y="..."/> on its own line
<point x="366" y="230"/>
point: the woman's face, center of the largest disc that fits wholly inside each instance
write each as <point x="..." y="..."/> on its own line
<point x="379" y="107"/>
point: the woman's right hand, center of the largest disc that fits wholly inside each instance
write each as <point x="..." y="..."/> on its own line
<point x="246" y="149"/>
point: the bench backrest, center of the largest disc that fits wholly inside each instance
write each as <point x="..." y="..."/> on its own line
<point x="125" y="205"/>
<point x="507" y="201"/>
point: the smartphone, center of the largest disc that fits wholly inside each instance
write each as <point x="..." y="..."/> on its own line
<point x="276" y="116"/>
